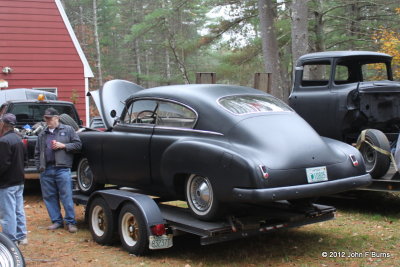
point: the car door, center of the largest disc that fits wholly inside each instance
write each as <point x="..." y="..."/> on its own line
<point x="126" y="155"/>
<point x="313" y="98"/>
<point x="174" y="121"/>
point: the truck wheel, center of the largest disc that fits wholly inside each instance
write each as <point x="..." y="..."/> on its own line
<point x="133" y="230"/>
<point x="85" y="179"/>
<point x="101" y="221"/>
<point x="201" y="199"/>
<point x="67" y="120"/>
<point x="376" y="163"/>
<point x="10" y="255"/>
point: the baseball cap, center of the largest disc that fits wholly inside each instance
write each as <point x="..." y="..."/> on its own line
<point x="9" y="118"/>
<point x="51" y="112"/>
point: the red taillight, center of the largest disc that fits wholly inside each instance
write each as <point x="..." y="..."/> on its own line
<point x="25" y="142"/>
<point x="354" y="161"/>
<point x="158" y="229"/>
<point x="264" y="171"/>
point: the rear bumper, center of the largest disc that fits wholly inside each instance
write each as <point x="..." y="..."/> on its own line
<point x="301" y="191"/>
<point x="31" y="173"/>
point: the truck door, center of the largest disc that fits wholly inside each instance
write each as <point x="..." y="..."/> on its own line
<point x="312" y="97"/>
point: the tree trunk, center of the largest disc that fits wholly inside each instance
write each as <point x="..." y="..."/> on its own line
<point x="270" y="46"/>
<point x="299" y="15"/>
<point x="96" y="39"/>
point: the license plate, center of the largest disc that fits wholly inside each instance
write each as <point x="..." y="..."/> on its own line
<point x="160" y="242"/>
<point x="317" y="174"/>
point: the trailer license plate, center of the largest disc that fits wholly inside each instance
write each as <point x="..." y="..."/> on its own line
<point x="159" y="242"/>
<point x="317" y="174"/>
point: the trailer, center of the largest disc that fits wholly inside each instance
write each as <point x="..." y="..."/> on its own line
<point x="146" y="223"/>
<point x="390" y="182"/>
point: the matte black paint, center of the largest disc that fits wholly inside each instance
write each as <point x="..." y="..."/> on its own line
<point x="226" y="148"/>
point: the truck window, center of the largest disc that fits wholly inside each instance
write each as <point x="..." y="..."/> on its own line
<point x="316" y="74"/>
<point x="374" y="72"/>
<point x="342" y="74"/>
<point x="33" y="113"/>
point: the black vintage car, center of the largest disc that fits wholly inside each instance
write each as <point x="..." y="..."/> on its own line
<point x="342" y="93"/>
<point x="212" y="145"/>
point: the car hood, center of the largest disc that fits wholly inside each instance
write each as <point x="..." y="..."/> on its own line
<point x="379" y="87"/>
<point x="111" y="99"/>
<point x="283" y="141"/>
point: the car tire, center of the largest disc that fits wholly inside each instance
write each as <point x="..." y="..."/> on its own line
<point x="101" y="221"/>
<point x="67" y="120"/>
<point x="376" y="163"/>
<point x="201" y="199"/>
<point x="86" y="181"/>
<point x="132" y="230"/>
<point x="10" y="255"/>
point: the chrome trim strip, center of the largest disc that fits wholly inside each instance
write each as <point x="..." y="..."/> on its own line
<point x="188" y="130"/>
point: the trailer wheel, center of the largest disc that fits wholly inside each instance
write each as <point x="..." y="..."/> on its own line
<point x="85" y="179"/>
<point x="377" y="164"/>
<point x="10" y="255"/>
<point x="133" y="230"/>
<point x="101" y="221"/>
<point x="201" y="199"/>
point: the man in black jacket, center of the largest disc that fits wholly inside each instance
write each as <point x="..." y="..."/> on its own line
<point x="12" y="159"/>
<point x="54" y="157"/>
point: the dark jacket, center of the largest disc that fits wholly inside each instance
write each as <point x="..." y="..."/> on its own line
<point x="12" y="160"/>
<point x="64" y="157"/>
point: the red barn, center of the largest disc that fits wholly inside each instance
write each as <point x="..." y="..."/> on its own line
<point x="39" y="50"/>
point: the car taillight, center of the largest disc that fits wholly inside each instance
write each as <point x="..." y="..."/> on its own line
<point x="158" y="229"/>
<point x="354" y="161"/>
<point x="264" y="171"/>
<point x="25" y="142"/>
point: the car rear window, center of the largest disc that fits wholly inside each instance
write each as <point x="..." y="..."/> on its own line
<point x="32" y="113"/>
<point x="245" y="104"/>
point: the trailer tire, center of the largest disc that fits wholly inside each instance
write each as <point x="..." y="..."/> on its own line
<point x="376" y="163"/>
<point x="132" y="229"/>
<point x="10" y="255"/>
<point x="101" y="221"/>
<point x="85" y="179"/>
<point x="66" y="119"/>
<point x="201" y="198"/>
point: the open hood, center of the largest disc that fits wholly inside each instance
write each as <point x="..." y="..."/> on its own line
<point x="110" y="99"/>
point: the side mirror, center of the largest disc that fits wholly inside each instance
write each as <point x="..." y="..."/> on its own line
<point x="113" y="113"/>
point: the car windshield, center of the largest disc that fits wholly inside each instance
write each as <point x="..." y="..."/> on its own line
<point x="33" y="113"/>
<point x="245" y="104"/>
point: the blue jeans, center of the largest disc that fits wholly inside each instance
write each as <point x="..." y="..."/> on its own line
<point x="56" y="184"/>
<point x="12" y="215"/>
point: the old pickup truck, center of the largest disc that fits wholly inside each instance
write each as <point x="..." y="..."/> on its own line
<point x="28" y="106"/>
<point x="345" y="93"/>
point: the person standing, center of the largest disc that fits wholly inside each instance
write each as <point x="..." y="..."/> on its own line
<point x="12" y="160"/>
<point x="54" y="157"/>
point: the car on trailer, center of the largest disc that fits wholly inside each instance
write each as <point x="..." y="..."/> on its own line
<point x="351" y="96"/>
<point x="215" y="146"/>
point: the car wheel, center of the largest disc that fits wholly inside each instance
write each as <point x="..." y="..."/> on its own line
<point x="133" y="230"/>
<point x="10" y="255"/>
<point x="67" y="120"/>
<point x="201" y="198"/>
<point x="376" y="163"/>
<point x="101" y="222"/>
<point x="85" y="179"/>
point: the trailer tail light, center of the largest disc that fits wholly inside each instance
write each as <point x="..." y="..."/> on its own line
<point x="158" y="229"/>
<point x="354" y="161"/>
<point x="25" y="142"/>
<point x="264" y="171"/>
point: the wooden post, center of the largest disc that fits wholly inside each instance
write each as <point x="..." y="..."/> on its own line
<point x="262" y="81"/>
<point x="206" y="77"/>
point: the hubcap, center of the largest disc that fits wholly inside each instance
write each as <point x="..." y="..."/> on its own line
<point x="85" y="175"/>
<point x="6" y="258"/>
<point x="369" y="155"/>
<point x="130" y="229"/>
<point x="200" y="193"/>
<point x="99" y="223"/>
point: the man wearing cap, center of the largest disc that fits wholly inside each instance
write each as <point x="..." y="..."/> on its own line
<point x="54" y="157"/>
<point x="12" y="160"/>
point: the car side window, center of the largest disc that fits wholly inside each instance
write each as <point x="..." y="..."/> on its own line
<point x="342" y="74"/>
<point x="141" y="111"/>
<point x="174" y="115"/>
<point x="374" y="72"/>
<point x="316" y="74"/>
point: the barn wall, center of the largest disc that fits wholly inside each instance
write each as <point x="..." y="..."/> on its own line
<point x="35" y="43"/>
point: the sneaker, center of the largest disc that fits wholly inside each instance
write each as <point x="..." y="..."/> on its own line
<point x="54" y="226"/>
<point x="23" y="241"/>
<point x="72" y="228"/>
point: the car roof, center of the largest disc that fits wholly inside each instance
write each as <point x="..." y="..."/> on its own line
<point x="334" y="54"/>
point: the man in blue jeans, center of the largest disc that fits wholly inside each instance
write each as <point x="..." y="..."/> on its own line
<point x="54" y="157"/>
<point x="12" y="160"/>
